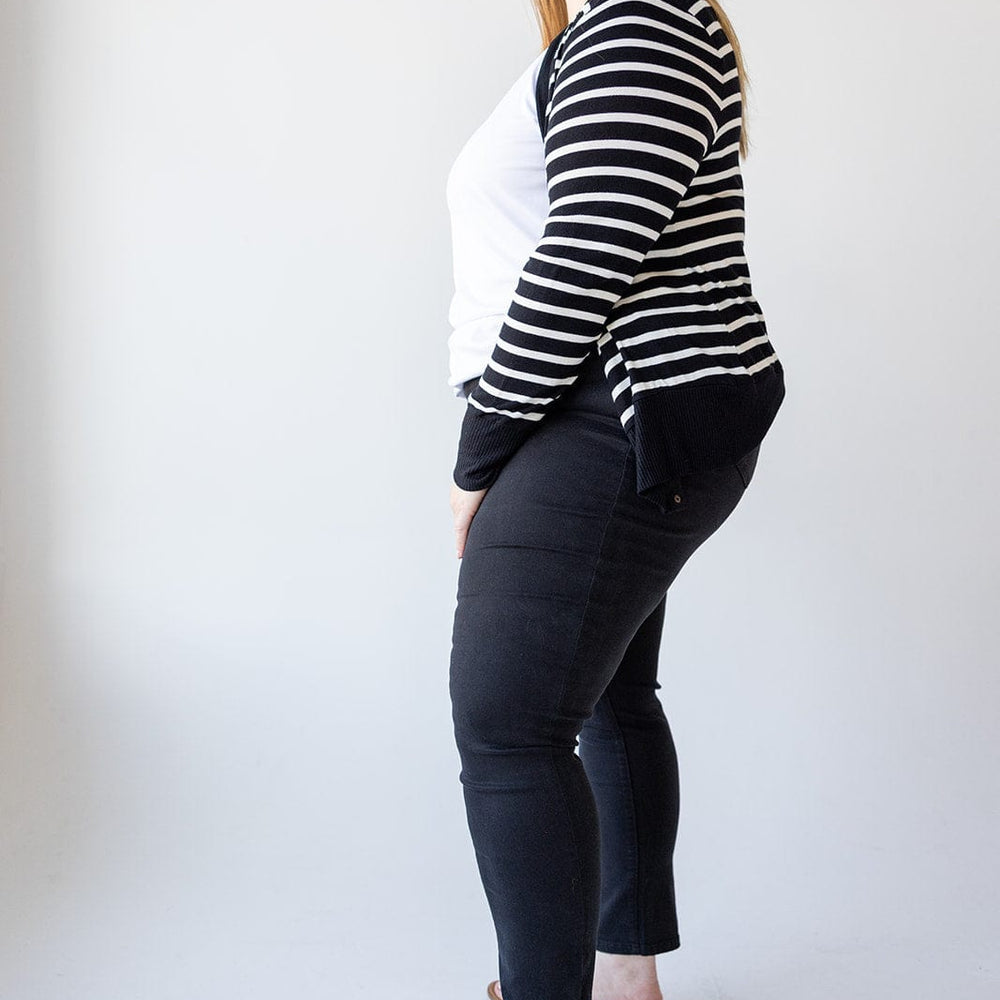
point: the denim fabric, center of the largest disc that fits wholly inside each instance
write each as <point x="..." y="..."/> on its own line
<point x="560" y="607"/>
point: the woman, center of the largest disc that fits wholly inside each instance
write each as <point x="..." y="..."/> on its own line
<point x="619" y="379"/>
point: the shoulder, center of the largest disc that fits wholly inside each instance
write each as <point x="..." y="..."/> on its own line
<point x="679" y="17"/>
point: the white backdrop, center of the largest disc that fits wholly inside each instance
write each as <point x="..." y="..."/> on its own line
<point x="228" y="568"/>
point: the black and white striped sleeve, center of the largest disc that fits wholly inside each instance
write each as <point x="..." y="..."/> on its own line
<point x="634" y="108"/>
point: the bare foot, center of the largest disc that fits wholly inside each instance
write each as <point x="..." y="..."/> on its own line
<point x="625" y="977"/>
<point x="621" y="977"/>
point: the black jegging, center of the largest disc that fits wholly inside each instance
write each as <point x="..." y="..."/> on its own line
<point x="561" y="597"/>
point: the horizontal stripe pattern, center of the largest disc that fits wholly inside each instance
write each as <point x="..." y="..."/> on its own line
<point x="641" y="256"/>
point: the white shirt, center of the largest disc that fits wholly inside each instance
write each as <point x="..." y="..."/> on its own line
<point x="498" y="199"/>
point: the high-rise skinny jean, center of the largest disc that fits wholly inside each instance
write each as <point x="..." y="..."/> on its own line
<point x="560" y="607"/>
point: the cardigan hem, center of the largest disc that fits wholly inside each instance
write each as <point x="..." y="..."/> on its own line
<point x="700" y="427"/>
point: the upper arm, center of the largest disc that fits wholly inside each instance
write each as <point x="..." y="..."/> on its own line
<point x="634" y="108"/>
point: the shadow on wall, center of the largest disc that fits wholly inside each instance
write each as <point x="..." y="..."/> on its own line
<point x="47" y="836"/>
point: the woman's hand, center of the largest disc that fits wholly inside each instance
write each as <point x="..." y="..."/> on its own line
<point x="464" y="504"/>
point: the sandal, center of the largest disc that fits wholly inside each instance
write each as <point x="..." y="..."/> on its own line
<point x="491" y="990"/>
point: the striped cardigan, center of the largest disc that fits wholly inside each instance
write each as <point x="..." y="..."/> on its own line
<point x="642" y="254"/>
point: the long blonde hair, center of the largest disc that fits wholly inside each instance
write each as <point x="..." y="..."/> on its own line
<point x="552" y="18"/>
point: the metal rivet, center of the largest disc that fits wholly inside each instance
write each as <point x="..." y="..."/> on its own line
<point x="677" y="498"/>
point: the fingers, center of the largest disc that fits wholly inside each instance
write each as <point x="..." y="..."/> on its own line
<point x="464" y="505"/>
<point x="463" y="518"/>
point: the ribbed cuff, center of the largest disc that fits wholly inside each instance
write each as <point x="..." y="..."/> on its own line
<point x="485" y="444"/>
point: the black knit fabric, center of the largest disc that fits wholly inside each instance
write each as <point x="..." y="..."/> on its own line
<point x="642" y="253"/>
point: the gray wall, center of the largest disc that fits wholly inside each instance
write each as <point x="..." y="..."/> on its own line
<point x="228" y="569"/>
